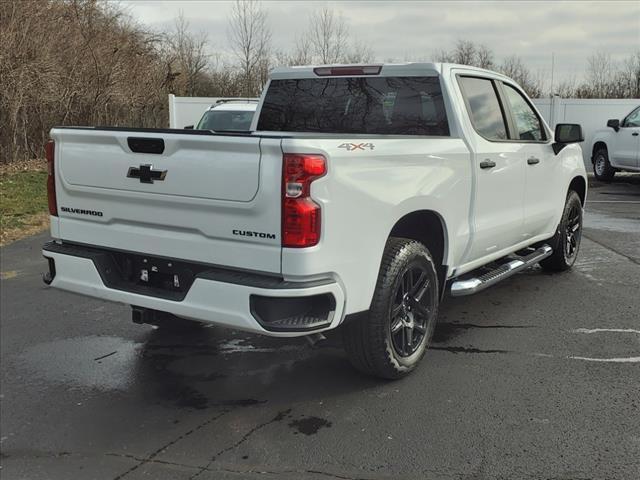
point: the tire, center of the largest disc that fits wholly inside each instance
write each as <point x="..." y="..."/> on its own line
<point x="602" y="169"/>
<point x="404" y="308"/>
<point x="566" y="241"/>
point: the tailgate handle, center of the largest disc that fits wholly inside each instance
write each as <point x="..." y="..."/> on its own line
<point x="146" y="145"/>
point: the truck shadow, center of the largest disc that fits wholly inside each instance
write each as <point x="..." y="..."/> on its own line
<point x="212" y="367"/>
<point x="619" y="179"/>
<point x="208" y="367"/>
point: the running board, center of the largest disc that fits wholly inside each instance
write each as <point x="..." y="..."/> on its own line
<point x="473" y="285"/>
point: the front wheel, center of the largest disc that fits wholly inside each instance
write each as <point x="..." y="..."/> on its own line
<point x="391" y="341"/>
<point x="566" y="241"/>
<point x="602" y="169"/>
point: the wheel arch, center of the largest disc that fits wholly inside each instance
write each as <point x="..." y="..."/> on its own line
<point x="429" y="228"/>
<point x="597" y="146"/>
<point x="579" y="185"/>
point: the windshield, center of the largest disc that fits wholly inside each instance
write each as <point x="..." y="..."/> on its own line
<point x="380" y="105"/>
<point x="226" y="120"/>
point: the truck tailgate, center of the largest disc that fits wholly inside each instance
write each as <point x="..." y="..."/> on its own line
<point x="201" y="197"/>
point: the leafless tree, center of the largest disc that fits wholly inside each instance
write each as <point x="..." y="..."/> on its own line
<point x="187" y="55"/>
<point x="464" y="53"/>
<point x="250" y="40"/>
<point x="513" y="67"/>
<point x="566" y="89"/>
<point x="605" y="78"/>
<point x="599" y="73"/>
<point x="631" y="75"/>
<point x="94" y="68"/>
<point x="328" y="36"/>
<point x="300" y="55"/>
<point x="443" y="56"/>
<point x="484" y="57"/>
<point x="328" y="42"/>
<point x="358" y="52"/>
<point x="98" y="67"/>
<point x="624" y="82"/>
<point x="302" y="51"/>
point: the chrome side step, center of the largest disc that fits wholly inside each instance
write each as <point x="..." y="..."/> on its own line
<point x="473" y="285"/>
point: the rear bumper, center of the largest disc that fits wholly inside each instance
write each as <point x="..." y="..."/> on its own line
<point x="244" y="301"/>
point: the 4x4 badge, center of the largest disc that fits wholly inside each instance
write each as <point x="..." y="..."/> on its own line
<point x="357" y="146"/>
<point x="146" y="173"/>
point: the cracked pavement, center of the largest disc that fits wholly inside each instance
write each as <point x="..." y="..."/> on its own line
<point x="534" y="378"/>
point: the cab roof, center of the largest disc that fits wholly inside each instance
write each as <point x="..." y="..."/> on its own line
<point x="381" y="69"/>
<point x="236" y="104"/>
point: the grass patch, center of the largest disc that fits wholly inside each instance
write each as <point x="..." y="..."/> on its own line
<point x="23" y="203"/>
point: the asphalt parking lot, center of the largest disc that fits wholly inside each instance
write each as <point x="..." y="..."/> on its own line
<point x="536" y="378"/>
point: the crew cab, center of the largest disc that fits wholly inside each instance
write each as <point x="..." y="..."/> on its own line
<point x="617" y="148"/>
<point x="361" y="195"/>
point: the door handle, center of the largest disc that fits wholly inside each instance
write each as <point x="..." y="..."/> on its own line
<point x="533" y="160"/>
<point x="487" y="164"/>
<point x="635" y="134"/>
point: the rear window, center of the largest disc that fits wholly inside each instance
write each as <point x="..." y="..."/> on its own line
<point x="226" y="120"/>
<point x="380" y="105"/>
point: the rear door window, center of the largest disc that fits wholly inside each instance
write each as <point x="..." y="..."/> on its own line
<point x="356" y="105"/>
<point x="484" y="108"/>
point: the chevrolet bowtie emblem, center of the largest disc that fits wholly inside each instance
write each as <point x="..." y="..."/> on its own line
<point x="146" y="173"/>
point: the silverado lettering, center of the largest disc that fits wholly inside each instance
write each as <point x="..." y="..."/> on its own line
<point x="80" y="211"/>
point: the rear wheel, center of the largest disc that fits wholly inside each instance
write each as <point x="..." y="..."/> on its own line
<point x="566" y="241"/>
<point x="393" y="339"/>
<point x="602" y="169"/>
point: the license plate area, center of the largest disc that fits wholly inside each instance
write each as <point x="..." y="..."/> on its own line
<point x="148" y="275"/>
<point x="156" y="273"/>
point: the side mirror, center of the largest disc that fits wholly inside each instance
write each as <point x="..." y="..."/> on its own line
<point x="614" y="123"/>
<point x="565" y="134"/>
<point x="189" y="127"/>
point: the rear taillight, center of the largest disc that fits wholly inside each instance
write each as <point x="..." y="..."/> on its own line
<point x="49" y="152"/>
<point x="301" y="217"/>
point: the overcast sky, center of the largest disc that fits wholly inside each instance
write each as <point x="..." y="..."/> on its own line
<point x="415" y="30"/>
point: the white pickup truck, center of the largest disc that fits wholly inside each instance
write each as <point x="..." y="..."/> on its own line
<point x="362" y="194"/>
<point x="617" y="148"/>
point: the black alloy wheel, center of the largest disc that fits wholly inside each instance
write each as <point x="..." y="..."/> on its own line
<point x="392" y="338"/>
<point x="566" y="241"/>
<point x="411" y="310"/>
<point x="573" y="232"/>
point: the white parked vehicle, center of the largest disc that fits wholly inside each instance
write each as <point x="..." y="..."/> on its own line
<point x="228" y="115"/>
<point x="618" y="147"/>
<point x="362" y="195"/>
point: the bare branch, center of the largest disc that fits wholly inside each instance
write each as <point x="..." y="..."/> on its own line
<point x="186" y="55"/>
<point x="328" y="36"/>
<point x="250" y="40"/>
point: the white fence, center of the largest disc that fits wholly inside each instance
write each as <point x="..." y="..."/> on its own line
<point x="592" y="114"/>
<point x="185" y="111"/>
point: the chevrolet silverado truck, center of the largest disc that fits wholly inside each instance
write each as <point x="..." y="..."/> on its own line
<point x="360" y="196"/>
<point x="617" y="148"/>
